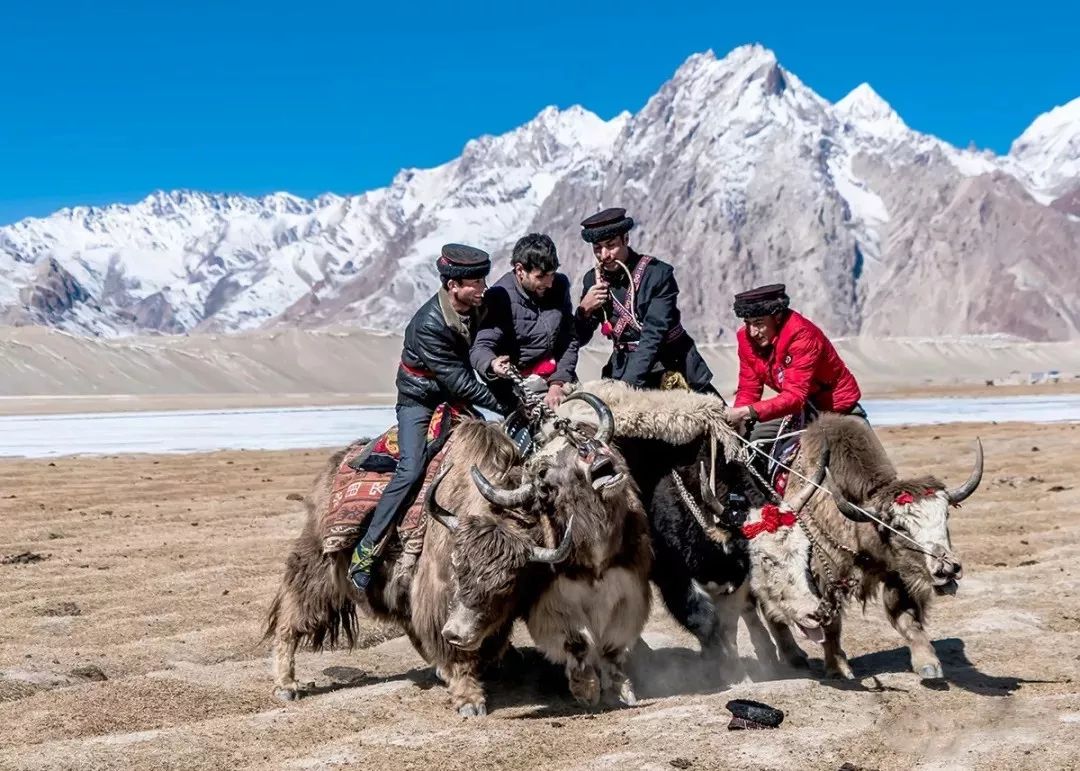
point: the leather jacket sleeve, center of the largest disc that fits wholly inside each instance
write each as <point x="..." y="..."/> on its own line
<point x="453" y="373"/>
<point x="490" y="338"/>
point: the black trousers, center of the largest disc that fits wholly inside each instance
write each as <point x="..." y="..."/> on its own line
<point x="413" y="421"/>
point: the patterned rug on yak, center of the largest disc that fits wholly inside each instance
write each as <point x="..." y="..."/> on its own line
<point x="363" y="474"/>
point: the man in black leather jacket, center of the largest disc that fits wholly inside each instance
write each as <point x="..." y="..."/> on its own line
<point x="434" y="369"/>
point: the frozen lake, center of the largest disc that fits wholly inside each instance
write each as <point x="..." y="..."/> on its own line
<point x="37" y="436"/>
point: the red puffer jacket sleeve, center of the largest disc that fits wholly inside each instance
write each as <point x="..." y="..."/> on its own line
<point x="804" y="349"/>
<point x="751" y="384"/>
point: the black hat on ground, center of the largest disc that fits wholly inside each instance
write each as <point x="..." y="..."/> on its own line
<point x="463" y="262"/>
<point x="606" y="224"/>
<point x="753" y="714"/>
<point x="761" y="301"/>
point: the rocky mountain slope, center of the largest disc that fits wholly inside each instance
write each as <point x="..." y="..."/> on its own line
<point x="736" y="171"/>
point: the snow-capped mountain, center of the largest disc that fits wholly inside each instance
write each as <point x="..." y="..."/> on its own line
<point x="1047" y="156"/>
<point x="736" y="171"/>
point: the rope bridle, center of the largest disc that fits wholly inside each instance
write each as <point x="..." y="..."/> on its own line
<point x="538" y="413"/>
<point x="710" y="529"/>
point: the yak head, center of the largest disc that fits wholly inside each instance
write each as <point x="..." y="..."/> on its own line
<point x="504" y="542"/>
<point x="577" y="456"/>
<point x="494" y="547"/>
<point x="502" y="519"/>
<point x="916" y="512"/>
<point x="574" y="469"/>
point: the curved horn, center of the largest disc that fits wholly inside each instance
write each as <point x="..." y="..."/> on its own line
<point x="847" y="508"/>
<point x="807" y="492"/>
<point x="507" y="499"/>
<point x="606" y="428"/>
<point x="703" y="482"/>
<point x="966" y="489"/>
<point x="433" y="508"/>
<point x="558" y="554"/>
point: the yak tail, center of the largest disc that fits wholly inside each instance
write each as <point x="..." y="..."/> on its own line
<point x="312" y="607"/>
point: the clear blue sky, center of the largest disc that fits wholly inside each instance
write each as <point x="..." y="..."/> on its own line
<point x="106" y="101"/>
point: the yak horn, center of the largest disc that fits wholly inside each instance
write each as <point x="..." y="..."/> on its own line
<point x="807" y="492"/>
<point x="703" y="482"/>
<point x="507" y="499"/>
<point x="848" y="509"/>
<point x="433" y="508"/>
<point x="606" y="428"/>
<point x="558" y="554"/>
<point x="966" y="489"/>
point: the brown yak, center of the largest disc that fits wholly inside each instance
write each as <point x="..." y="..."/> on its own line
<point x="910" y="565"/>
<point x="587" y="612"/>
<point x="316" y="604"/>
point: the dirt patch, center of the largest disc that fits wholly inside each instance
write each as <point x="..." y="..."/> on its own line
<point x="60" y="609"/>
<point x="23" y="558"/>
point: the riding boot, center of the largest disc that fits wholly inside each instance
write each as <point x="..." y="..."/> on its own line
<point x="361" y="565"/>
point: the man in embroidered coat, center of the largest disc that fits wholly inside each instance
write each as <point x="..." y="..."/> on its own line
<point x="529" y="322"/>
<point x="633" y="299"/>
<point x="434" y="369"/>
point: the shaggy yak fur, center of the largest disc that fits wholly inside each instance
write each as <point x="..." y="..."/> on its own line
<point x="701" y="576"/>
<point x="789" y="578"/>
<point x="316" y="605"/>
<point x="592" y="613"/>
<point x="587" y="609"/>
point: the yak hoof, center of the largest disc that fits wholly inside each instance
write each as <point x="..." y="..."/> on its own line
<point x="931" y="671"/>
<point x="585" y="687"/>
<point x="839" y="671"/>
<point x="473" y="710"/>
<point x="286" y="694"/>
<point x="627" y="695"/>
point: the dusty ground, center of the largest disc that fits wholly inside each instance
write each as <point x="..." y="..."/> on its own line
<point x="157" y="572"/>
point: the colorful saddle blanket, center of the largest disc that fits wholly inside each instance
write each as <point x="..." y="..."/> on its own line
<point x="363" y="474"/>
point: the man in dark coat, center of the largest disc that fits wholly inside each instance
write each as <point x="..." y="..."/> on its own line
<point x="529" y="322"/>
<point x="434" y="369"/>
<point x="633" y="299"/>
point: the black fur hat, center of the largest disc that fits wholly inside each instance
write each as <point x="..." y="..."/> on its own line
<point x="463" y="262"/>
<point x="606" y="224"/>
<point x="753" y="714"/>
<point x="761" y="301"/>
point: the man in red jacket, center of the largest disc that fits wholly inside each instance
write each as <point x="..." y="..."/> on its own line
<point x="783" y="350"/>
